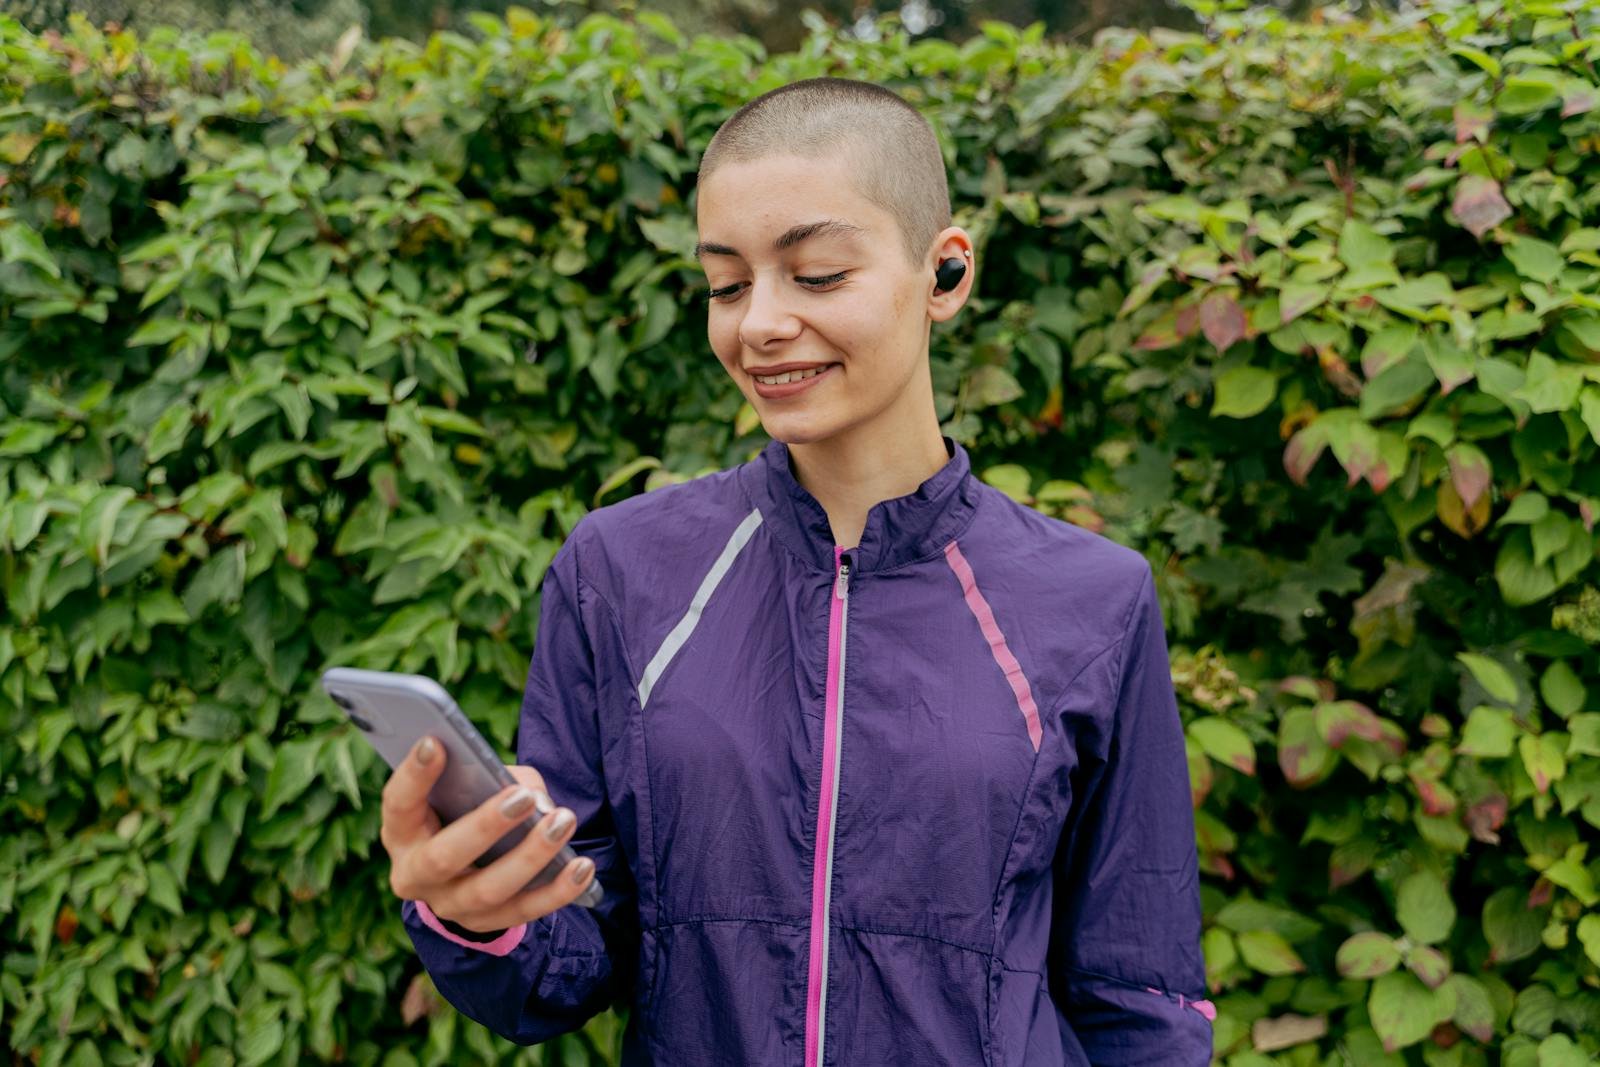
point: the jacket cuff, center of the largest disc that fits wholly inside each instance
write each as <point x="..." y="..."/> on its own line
<point x="500" y="946"/>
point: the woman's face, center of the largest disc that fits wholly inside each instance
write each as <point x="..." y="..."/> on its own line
<point x="805" y="270"/>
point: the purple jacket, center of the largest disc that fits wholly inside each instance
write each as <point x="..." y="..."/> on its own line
<point x="921" y="801"/>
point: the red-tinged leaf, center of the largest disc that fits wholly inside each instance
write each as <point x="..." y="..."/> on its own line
<point x="1367" y="955"/>
<point x="1302" y="755"/>
<point x="1444" y="1035"/>
<point x="66" y="923"/>
<point x="420" y="999"/>
<point x="1485" y="817"/>
<point x="1474" y="1014"/>
<point x="1472" y="124"/>
<point x="1225" y="743"/>
<point x="1301" y="685"/>
<point x="1404" y="1011"/>
<point x="1541" y="893"/>
<point x="1577" y="102"/>
<point x="1187" y="318"/>
<point x="1437" y="799"/>
<point x="1479" y="205"/>
<point x="1428" y="964"/>
<point x="1586" y="513"/>
<point x="1470" y="472"/>
<point x="1269" y="1034"/>
<point x="1341" y="719"/>
<point x="1222" y="320"/>
<point x="1295" y="299"/>
<point x="1303" y="451"/>
<point x="1337" y="370"/>
<point x="1201" y="776"/>
<point x="1161" y="333"/>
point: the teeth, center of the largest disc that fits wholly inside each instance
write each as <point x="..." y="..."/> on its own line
<point x="791" y="376"/>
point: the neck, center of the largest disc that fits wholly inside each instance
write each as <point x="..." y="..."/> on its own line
<point x="851" y="471"/>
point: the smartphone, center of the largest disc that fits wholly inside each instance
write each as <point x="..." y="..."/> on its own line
<point x="393" y="711"/>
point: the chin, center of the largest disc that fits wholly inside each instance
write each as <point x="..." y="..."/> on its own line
<point x="798" y="428"/>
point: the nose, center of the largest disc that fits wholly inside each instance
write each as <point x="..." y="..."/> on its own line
<point x="767" y="318"/>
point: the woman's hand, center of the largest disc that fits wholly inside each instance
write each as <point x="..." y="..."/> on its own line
<point x="433" y="864"/>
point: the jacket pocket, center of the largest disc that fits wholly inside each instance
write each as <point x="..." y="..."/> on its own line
<point x="1022" y="1020"/>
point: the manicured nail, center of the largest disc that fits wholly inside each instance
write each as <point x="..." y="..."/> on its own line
<point x="581" y="870"/>
<point x="559" y="824"/>
<point x="542" y="801"/>
<point x="517" y="804"/>
<point x="425" y="750"/>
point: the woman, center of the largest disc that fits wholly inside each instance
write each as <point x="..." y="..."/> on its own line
<point x="875" y="765"/>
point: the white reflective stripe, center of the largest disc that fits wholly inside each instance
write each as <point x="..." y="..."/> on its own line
<point x="680" y="633"/>
<point x="833" y="819"/>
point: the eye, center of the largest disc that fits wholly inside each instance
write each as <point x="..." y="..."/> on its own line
<point x="815" y="283"/>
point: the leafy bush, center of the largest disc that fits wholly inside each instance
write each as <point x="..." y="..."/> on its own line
<point x="317" y="365"/>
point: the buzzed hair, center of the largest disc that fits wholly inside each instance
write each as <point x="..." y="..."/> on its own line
<point x="893" y="151"/>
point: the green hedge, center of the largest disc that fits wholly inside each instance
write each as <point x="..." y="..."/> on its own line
<point x="319" y="365"/>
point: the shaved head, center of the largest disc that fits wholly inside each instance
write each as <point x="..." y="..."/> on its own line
<point x="891" y="149"/>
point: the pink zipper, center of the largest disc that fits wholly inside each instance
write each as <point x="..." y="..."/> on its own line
<point x="822" y="863"/>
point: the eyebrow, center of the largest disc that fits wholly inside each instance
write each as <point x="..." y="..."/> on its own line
<point x="789" y="238"/>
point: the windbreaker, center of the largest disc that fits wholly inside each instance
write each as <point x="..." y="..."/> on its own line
<point x="921" y="800"/>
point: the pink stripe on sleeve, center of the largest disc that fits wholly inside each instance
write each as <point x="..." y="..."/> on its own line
<point x="997" y="641"/>
<point x="500" y="946"/>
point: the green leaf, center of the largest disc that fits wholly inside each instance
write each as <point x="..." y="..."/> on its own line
<point x="1474" y="1014"/>
<point x="1559" y="1050"/>
<point x="1360" y="245"/>
<point x="169" y="431"/>
<point x="1543" y="757"/>
<point x="1584" y="737"/>
<point x="1521" y="580"/>
<point x="1424" y="909"/>
<point x="1267" y="952"/>
<point x="1243" y="391"/>
<point x="1396" y="387"/>
<point x="1225" y="743"/>
<point x="163" y="888"/>
<point x="293" y="769"/>
<point x="1490" y="733"/>
<point x="1494" y="677"/>
<point x="1367" y="955"/>
<point x="1511" y="927"/>
<point x="220" y="579"/>
<point x="1404" y="1010"/>
<point x="1589" y="937"/>
<point x="1561" y="689"/>
<point x="19" y="243"/>
<point x="1295" y="299"/>
<point x="26" y="438"/>
<point x="1535" y="259"/>
<point x="1570" y="874"/>
<point x="1529" y="506"/>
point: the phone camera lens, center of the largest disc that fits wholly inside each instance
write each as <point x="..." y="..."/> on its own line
<point x="361" y="724"/>
<point x="342" y="700"/>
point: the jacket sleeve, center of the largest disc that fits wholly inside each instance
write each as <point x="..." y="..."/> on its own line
<point x="1124" y="957"/>
<point x="550" y="976"/>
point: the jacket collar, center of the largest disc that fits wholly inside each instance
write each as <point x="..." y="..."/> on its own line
<point x="900" y="530"/>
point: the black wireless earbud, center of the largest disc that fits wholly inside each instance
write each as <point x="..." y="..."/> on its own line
<point x="949" y="273"/>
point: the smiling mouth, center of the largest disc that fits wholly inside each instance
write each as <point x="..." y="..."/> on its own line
<point x="791" y="376"/>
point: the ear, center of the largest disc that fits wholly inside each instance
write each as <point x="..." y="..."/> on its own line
<point x="951" y="243"/>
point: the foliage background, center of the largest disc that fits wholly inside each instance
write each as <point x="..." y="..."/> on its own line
<point x="318" y="364"/>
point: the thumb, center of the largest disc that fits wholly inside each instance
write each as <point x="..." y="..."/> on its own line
<point x="532" y="779"/>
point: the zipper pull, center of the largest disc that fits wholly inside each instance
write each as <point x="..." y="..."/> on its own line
<point x="841" y="587"/>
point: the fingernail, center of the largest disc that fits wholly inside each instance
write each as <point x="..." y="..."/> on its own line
<point x="425" y="750"/>
<point x="542" y="801"/>
<point x="580" y="871"/>
<point x="516" y="804"/>
<point x="559" y="824"/>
